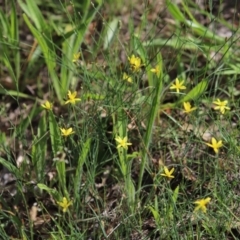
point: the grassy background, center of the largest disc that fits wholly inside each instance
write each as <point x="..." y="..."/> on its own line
<point x="118" y="193"/>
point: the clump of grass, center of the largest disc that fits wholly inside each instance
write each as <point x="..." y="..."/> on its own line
<point x="109" y="149"/>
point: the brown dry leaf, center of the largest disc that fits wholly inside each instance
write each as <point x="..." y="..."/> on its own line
<point x="43" y="219"/>
<point x="104" y="178"/>
<point x="206" y="133"/>
<point x="224" y="164"/>
<point x="188" y="173"/>
<point x="33" y="212"/>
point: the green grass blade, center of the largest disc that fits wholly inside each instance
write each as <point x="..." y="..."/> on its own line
<point x="55" y="136"/>
<point x="81" y="160"/>
<point x="176" y="43"/>
<point x="39" y="149"/>
<point x="16" y="94"/>
<point x="157" y="90"/>
<point x="85" y="5"/>
<point x="193" y="24"/>
<point x="61" y="170"/>
<point x="175" y="11"/>
<point x="10" y="167"/>
<point x="49" y="190"/>
<point x="173" y="203"/>
<point x="139" y="48"/>
<point x="15" y="38"/>
<point x="49" y="55"/>
<point x="110" y="32"/>
<point x="25" y="123"/>
<point x="196" y="92"/>
<point x="32" y="10"/>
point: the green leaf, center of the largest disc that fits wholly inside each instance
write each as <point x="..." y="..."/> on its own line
<point x="131" y="192"/>
<point x="155" y="214"/>
<point x="193" y="24"/>
<point x="120" y="129"/>
<point x="39" y="148"/>
<point x="176" y="43"/>
<point x="85" y="5"/>
<point x="32" y="10"/>
<point x="55" y="136"/>
<point x="61" y="170"/>
<point x="20" y="129"/>
<point x="175" y="194"/>
<point x="81" y="160"/>
<point x="175" y="11"/>
<point x="204" y="32"/>
<point x="49" y="190"/>
<point x="173" y="203"/>
<point x="93" y="96"/>
<point x="195" y="93"/>
<point x="49" y="54"/>
<point x="155" y="104"/>
<point x="10" y="167"/>
<point x="15" y="36"/>
<point x="111" y="29"/>
<point x="139" y="48"/>
<point x="17" y="94"/>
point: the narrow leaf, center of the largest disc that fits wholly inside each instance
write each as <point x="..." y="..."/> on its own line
<point x="111" y="29"/>
<point x="54" y="134"/>
<point x="196" y="92"/>
<point x="49" y="190"/>
<point x="81" y="160"/>
<point x="10" y="167"/>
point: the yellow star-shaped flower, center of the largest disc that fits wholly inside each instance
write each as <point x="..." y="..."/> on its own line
<point x="178" y="85"/>
<point x="135" y="63"/>
<point x="66" y="132"/>
<point x="72" y="98"/>
<point x="188" y="108"/>
<point x="168" y="173"/>
<point x="215" y="145"/>
<point x="64" y="204"/>
<point x="221" y="105"/>
<point x="201" y="204"/>
<point x="156" y="70"/>
<point x="122" y="142"/>
<point x="127" y="78"/>
<point x="47" y="105"/>
<point x="76" y="56"/>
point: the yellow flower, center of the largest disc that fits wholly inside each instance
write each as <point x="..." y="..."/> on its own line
<point x="178" y="85"/>
<point x="122" y="142"/>
<point x="47" y="105"/>
<point x="168" y="173"/>
<point x="64" y="204"/>
<point x="76" y="56"/>
<point x="72" y="98"/>
<point x="156" y="70"/>
<point x="135" y="63"/>
<point x="215" y="145"/>
<point x="221" y="105"/>
<point x="188" y="108"/>
<point x="126" y="77"/>
<point x="201" y="204"/>
<point x="66" y="132"/>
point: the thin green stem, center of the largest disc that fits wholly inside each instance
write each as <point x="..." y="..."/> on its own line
<point x="153" y="113"/>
